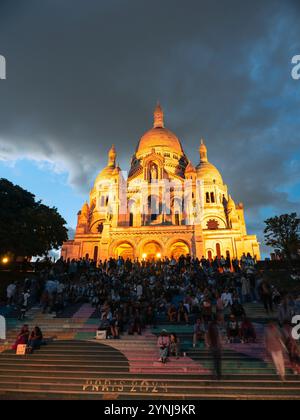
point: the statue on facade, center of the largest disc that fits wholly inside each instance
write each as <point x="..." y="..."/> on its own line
<point x="153" y="173"/>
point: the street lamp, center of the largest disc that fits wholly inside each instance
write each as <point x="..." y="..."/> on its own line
<point x="5" y="260"/>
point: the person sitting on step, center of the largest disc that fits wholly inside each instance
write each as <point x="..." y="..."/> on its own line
<point x="150" y="318"/>
<point x="233" y="330"/>
<point x="237" y="309"/>
<point x="105" y="326"/>
<point x="172" y="313"/>
<point x="135" y="323"/>
<point x="163" y="343"/>
<point x="35" y="340"/>
<point x="114" y="327"/>
<point x="182" y="315"/>
<point x="248" y="334"/>
<point x="22" y="338"/>
<point x="199" y="332"/>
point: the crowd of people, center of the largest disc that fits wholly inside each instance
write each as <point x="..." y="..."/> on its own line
<point x="130" y="295"/>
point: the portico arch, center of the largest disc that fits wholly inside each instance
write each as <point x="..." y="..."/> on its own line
<point x="150" y="249"/>
<point x="178" y="247"/>
<point x="124" y="249"/>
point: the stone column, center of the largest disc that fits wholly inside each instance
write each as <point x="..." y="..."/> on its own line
<point x="105" y="242"/>
<point x="198" y="248"/>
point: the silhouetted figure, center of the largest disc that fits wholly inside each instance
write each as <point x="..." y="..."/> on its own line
<point x="215" y="345"/>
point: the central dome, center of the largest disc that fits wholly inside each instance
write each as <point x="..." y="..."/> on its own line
<point x="159" y="137"/>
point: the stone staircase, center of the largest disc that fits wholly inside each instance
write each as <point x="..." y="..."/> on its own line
<point x="73" y="365"/>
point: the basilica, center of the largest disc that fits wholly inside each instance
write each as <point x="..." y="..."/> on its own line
<point x="164" y="207"/>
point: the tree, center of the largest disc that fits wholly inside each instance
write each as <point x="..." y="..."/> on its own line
<point x="283" y="233"/>
<point x="28" y="227"/>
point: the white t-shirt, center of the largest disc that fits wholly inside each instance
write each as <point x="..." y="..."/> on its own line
<point x="26" y="296"/>
<point x="139" y="290"/>
<point x="226" y="299"/>
<point x="11" y="290"/>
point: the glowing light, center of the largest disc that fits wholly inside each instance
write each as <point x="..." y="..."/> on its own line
<point x="158" y="255"/>
<point x="5" y="260"/>
<point x="144" y="256"/>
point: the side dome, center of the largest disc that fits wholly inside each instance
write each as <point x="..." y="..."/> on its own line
<point x="206" y="171"/>
<point x="209" y="173"/>
<point x="105" y="174"/>
<point x="159" y="137"/>
<point x="111" y="170"/>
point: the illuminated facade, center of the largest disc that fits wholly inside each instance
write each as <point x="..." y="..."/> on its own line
<point x="165" y="207"/>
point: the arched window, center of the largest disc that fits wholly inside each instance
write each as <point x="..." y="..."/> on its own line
<point x="212" y="197"/>
<point x="154" y="206"/>
<point x="177" y="218"/>
<point x="107" y="200"/>
<point x="218" y="250"/>
<point x="209" y="255"/>
<point x="228" y="254"/>
<point x="87" y="256"/>
<point x="207" y="198"/>
<point x="96" y="253"/>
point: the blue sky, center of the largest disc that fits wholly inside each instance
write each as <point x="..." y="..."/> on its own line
<point x="47" y="185"/>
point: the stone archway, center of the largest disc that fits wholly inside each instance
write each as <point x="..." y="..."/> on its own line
<point x="179" y="248"/>
<point x="151" y="250"/>
<point x="124" y="250"/>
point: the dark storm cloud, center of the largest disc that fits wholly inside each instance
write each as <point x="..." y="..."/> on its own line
<point x="85" y="74"/>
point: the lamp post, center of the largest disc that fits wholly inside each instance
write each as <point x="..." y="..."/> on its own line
<point x="5" y="260"/>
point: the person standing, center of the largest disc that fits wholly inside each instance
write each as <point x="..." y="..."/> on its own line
<point x="24" y="304"/>
<point x="276" y="348"/>
<point x="286" y="312"/>
<point x="11" y="293"/>
<point x="199" y="332"/>
<point x="214" y="343"/>
<point x="266" y="296"/>
<point x="246" y="289"/>
<point x="175" y="346"/>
